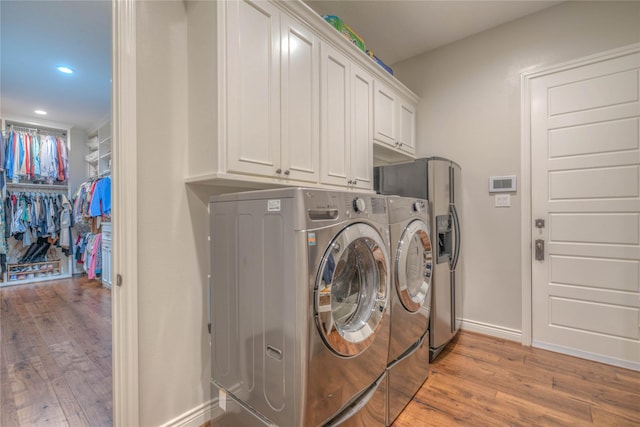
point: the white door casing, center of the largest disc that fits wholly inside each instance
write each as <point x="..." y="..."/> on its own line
<point x="584" y="127"/>
<point x="124" y="294"/>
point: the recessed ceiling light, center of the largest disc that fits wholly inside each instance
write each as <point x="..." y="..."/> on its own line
<point x="41" y="112"/>
<point x="65" y="70"/>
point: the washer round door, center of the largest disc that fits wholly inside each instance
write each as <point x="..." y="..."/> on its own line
<point x="352" y="289"/>
<point x="414" y="264"/>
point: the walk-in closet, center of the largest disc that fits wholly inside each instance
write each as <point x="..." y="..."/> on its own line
<point x="55" y="213"/>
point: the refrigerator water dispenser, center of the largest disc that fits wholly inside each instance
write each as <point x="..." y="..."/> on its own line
<point x="443" y="228"/>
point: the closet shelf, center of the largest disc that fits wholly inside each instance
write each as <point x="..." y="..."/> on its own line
<point x="33" y="270"/>
<point x="62" y="188"/>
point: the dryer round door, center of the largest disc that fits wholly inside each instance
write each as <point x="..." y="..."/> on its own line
<point x="352" y="289"/>
<point x="413" y="265"/>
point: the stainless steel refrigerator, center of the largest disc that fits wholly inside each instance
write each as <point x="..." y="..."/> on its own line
<point x="437" y="180"/>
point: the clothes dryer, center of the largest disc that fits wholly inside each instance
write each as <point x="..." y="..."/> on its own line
<point x="300" y="286"/>
<point x="411" y="254"/>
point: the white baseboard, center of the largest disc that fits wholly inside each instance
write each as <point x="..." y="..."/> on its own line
<point x="492" y="330"/>
<point x="196" y="416"/>
<point x="628" y="364"/>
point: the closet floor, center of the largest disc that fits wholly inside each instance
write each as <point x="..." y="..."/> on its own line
<point x="484" y="381"/>
<point x="55" y="354"/>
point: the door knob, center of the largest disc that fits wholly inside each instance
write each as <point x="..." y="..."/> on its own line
<point x="539" y="250"/>
<point x="278" y="171"/>
<point x="287" y="172"/>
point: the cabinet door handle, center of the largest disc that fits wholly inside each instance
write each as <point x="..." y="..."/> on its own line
<point x="355" y="182"/>
<point x="287" y="172"/>
<point x="278" y="171"/>
<point x="350" y="182"/>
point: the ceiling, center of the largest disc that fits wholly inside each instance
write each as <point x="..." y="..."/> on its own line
<point x="396" y="30"/>
<point x="38" y="36"/>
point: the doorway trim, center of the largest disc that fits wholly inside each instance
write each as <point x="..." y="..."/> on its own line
<point x="125" y="213"/>
<point x="525" y="170"/>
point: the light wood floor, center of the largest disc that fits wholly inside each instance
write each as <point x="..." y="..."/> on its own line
<point x="484" y="381"/>
<point x="55" y="369"/>
<point x="55" y="354"/>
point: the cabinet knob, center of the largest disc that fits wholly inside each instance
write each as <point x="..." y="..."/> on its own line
<point x="278" y="171"/>
<point x="287" y="172"/>
<point x="350" y="182"/>
<point x="355" y="182"/>
<point x="399" y="144"/>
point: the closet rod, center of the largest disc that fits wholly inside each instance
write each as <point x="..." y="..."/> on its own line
<point x="41" y="131"/>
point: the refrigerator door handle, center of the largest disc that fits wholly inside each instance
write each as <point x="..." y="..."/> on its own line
<point x="456" y="222"/>
<point x="452" y="276"/>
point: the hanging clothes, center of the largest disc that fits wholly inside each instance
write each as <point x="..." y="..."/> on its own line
<point x="93" y="199"/>
<point x="65" y="225"/>
<point x="36" y="157"/>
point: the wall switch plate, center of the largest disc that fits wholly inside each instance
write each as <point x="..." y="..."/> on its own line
<point x="503" y="200"/>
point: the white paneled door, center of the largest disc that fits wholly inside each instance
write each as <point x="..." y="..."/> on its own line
<point x="585" y="187"/>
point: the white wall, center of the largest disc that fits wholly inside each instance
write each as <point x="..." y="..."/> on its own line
<point x="78" y="170"/>
<point x="470" y="112"/>
<point x="172" y="226"/>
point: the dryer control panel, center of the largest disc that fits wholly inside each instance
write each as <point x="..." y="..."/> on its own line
<point x="338" y="206"/>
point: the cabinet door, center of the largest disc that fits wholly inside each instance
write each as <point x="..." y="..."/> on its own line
<point x="361" y="128"/>
<point x="385" y="114"/>
<point x="407" y="131"/>
<point x="300" y="102"/>
<point x="335" y="155"/>
<point x="253" y="87"/>
<point x="106" y="264"/>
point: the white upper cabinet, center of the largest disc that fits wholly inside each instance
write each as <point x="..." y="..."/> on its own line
<point x="386" y="106"/>
<point x="407" y="127"/>
<point x="361" y="128"/>
<point x="272" y="93"/>
<point x="346" y="105"/>
<point x="335" y="107"/>
<point x="394" y="120"/>
<point x="253" y="87"/>
<point x="299" y="102"/>
<point x="278" y="97"/>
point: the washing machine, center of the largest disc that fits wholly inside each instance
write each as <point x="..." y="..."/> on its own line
<point x="299" y="298"/>
<point x="411" y="255"/>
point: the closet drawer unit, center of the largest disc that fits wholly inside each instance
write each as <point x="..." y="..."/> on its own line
<point x="106" y="254"/>
<point x="106" y="232"/>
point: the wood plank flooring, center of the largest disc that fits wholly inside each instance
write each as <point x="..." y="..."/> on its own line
<point x="55" y="369"/>
<point x="55" y="354"/>
<point x="484" y="381"/>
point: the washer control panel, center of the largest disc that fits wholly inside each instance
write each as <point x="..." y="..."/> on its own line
<point x="328" y="205"/>
<point x="418" y="206"/>
<point x="359" y="205"/>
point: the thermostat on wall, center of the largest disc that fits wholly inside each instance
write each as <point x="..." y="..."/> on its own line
<point x="499" y="184"/>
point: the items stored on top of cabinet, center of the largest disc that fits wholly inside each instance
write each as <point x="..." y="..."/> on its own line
<point x="346" y="31"/>
<point x="271" y="84"/>
<point x="354" y="38"/>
